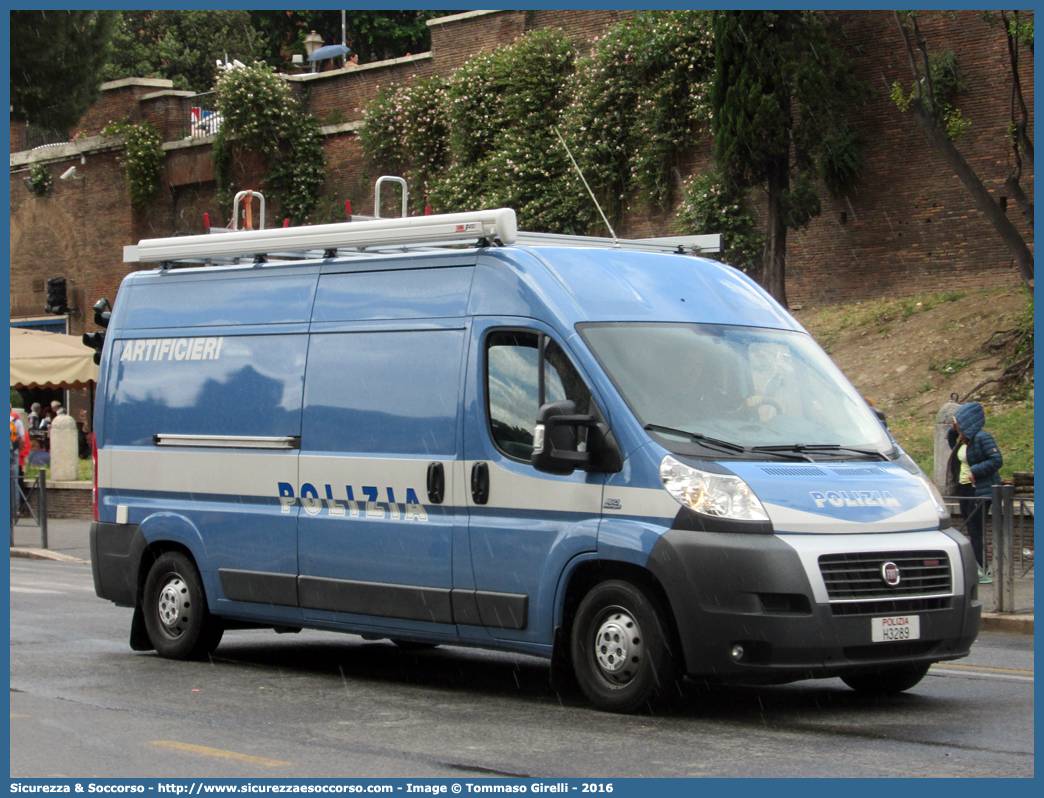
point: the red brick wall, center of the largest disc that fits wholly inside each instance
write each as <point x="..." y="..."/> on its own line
<point x="580" y="26"/>
<point x="17" y="136"/>
<point x="908" y="226"/>
<point x="453" y="42"/>
<point x="341" y="96"/>
<point x="119" y="102"/>
<point x="66" y="502"/>
<point x="78" y="232"/>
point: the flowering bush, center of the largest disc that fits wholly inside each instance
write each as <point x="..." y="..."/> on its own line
<point x="640" y="100"/>
<point x="40" y="180"/>
<point x="406" y="132"/>
<point x="260" y="114"/>
<point x="486" y="136"/>
<point x="708" y="206"/>
<point x="142" y="158"/>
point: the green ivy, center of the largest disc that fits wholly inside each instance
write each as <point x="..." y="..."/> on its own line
<point x="406" y="132"/>
<point x="841" y="159"/>
<point x="40" y="180"/>
<point x="947" y="83"/>
<point x="640" y="100"/>
<point x="259" y="114"/>
<point x="709" y="206"/>
<point x="142" y="158"/>
<point x="486" y="135"/>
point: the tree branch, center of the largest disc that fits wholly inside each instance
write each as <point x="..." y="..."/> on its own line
<point x="1022" y="125"/>
<point x="940" y="140"/>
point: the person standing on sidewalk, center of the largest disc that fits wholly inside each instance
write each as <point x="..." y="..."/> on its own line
<point x="19" y="454"/>
<point x="974" y="466"/>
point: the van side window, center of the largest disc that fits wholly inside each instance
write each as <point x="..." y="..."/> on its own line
<point x="512" y="387"/>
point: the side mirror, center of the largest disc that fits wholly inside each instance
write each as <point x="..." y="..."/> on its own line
<point x="880" y="415"/>
<point x="555" y="442"/>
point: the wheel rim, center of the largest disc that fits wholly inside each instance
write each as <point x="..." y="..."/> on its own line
<point x="172" y="606"/>
<point x="618" y="647"/>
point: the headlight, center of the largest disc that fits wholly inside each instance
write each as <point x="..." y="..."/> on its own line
<point x="940" y="503"/>
<point x="719" y="495"/>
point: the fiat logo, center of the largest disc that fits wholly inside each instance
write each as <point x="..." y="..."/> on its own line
<point x="890" y="573"/>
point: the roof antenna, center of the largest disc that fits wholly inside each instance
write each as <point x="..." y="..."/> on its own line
<point x="616" y="241"/>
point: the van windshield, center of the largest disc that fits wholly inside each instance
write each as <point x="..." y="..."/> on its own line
<point x="730" y="389"/>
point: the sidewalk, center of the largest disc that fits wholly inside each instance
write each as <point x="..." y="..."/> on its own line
<point x="68" y="540"/>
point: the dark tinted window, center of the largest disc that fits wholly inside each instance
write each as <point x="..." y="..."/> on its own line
<point x="512" y="387"/>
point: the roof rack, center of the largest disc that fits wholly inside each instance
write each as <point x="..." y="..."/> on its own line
<point x="451" y="228"/>
<point x="694" y="245"/>
<point x="375" y="236"/>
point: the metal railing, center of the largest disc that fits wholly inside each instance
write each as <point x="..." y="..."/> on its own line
<point x="1004" y="531"/>
<point x="202" y="117"/>
<point x="21" y="501"/>
<point x="39" y="136"/>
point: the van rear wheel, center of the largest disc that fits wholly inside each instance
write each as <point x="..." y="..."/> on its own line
<point x="620" y="647"/>
<point x="887" y="681"/>
<point x="175" y="607"/>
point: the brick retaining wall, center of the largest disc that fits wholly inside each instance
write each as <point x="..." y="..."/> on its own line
<point x="66" y="500"/>
<point x="907" y="227"/>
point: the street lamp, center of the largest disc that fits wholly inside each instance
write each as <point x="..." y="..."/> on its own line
<point x="313" y="41"/>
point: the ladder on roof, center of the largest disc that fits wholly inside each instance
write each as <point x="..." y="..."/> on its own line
<point x="376" y="237"/>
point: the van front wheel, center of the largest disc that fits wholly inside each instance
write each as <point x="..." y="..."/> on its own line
<point x="620" y="647"/>
<point x="176" y="616"/>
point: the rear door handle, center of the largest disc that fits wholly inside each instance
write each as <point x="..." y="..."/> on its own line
<point x="436" y="483"/>
<point x="480" y="483"/>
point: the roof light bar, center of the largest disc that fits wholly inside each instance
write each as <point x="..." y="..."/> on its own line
<point x="450" y="227"/>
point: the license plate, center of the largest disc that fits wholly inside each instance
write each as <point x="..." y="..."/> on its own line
<point x="895" y="627"/>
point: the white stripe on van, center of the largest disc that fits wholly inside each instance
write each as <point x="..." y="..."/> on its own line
<point x="239" y="473"/>
<point x="788" y="520"/>
<point x="511" y="490"/>
<point x="641" y="502"/>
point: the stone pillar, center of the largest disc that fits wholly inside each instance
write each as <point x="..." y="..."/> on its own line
<point x="65" y="449"/>
<point x="942" y="448"/>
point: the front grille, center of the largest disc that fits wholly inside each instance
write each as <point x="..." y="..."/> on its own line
<point x="858" y="577"/>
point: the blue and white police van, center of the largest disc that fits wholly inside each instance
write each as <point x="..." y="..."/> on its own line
<point x="439" y="430"/>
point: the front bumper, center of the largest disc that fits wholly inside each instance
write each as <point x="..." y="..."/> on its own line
<point x="757" y="591"/>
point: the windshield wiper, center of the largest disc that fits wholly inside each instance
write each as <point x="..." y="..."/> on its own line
<point x="784" y="452"/>
<point x="817" y="447"/>
<point x="696" y="436"/>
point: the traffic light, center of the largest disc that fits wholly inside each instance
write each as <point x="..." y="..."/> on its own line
<point x="57" y="301"/>
<point x="101" y="315"/>
<point x="95" y="341"/>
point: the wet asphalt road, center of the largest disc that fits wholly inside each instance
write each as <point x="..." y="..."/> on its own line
<point x="327" y="705"/>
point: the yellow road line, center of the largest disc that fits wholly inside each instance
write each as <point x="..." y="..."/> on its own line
<point x="202" y="749"/>
<point x="16" y="715"/>
<point x="982" y="668"/>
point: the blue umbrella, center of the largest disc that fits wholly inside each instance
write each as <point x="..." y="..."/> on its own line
<point x="329" y="51"/>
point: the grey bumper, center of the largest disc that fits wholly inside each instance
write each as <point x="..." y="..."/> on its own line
<point x="753" y="590"/>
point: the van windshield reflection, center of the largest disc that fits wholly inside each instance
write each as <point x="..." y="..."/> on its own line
<point x="743" y="391"/>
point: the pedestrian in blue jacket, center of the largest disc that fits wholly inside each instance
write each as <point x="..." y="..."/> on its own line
<point x="974" y="467"/>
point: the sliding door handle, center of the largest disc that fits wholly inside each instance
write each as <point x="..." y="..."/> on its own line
<point x="480" y="483"/>
<point x="436" y="483"/>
